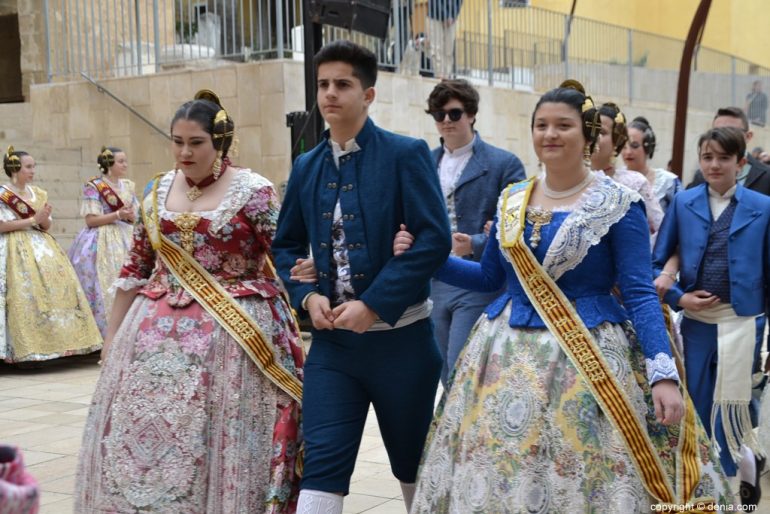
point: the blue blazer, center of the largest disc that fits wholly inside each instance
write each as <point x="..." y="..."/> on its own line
<point x="488" y="172"/>
<point x="390" y="181"/>
<point x="687" y="225"/>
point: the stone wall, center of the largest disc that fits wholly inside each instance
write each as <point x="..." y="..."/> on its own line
<point x="75" y="120"/>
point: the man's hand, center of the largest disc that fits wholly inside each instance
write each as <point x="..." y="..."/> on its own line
<point x="487" y="227"/>
<point x="461" y="244"/>
<point x="669" y="405"/>
<point x="304" y="271"/>
<point x="697" y="300"/>
<point x="355" y="316"/>
<point x="320" y="312"/>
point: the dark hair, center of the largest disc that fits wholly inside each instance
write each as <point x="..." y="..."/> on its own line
<point x="205" y="110"/>
<point x="734" y="112"/>
<point x="730" y="139"/>
<point x="641" y="124"/>
<point x="106" y="158"/>
<point x="619" y="131"/>
<point x="460" y="90"/>
<point x="12" y="161"/>
<point x="363" y="61"/>
<point x="571" y="92"/>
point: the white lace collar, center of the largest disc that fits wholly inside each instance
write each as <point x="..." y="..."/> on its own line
<point x="240" y="190"/>
<point x="603" y="204"/>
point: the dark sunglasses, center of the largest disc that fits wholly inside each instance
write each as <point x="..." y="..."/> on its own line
<point x="454" y="115"/>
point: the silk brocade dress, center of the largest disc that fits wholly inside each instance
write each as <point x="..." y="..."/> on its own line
<point x="182" y="421"/>
<point x="97" y="253"/>
<point x="519" y="431"/>
<point x="44" y="313"/>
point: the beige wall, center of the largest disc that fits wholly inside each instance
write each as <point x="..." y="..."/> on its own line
<point x="74" y="120"/>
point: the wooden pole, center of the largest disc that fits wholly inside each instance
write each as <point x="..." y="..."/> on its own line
<point x="683" y="88"/>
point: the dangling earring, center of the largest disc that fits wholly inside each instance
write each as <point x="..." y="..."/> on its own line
<point x="587" y="155"/>
<point x="14" y="177"/>
<point x="216" y="169"/>
<point x="613" y="159"/>
<point x="539" y="166"/>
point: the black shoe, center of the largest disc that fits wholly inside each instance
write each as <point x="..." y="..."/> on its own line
<point x="750" y="494"/>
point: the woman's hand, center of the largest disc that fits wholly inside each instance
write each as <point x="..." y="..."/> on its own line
<point x="43" y="214"/>
<point x="461" y="244"/>
<point x="663" y="284"/>
<point x="127" y="214"/>
<point x="403" y="241"/>
<point x="304" y="271"/>
<point x="669" y="405"/>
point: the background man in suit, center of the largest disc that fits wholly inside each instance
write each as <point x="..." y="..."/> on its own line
<point x="754" y="175"/>
<point x="472" y="175"/>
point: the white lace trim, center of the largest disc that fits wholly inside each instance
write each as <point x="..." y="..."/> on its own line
<point x="661" y="367"/>
<point x="127" y="284"/>
<point x="239" y="192"/>
<point x="602" y="205"/>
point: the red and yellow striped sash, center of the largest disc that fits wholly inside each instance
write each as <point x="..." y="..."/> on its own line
<point x="218" y="303"/>
<point x="107" y="193"/>
<point x="578" y="344"/>
<point x="21" y="208"/>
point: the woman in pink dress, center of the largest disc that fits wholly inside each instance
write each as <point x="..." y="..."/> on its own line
<point x="197" y="408"/>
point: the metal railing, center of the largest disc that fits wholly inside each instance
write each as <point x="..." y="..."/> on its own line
<point x="502" y="43"/>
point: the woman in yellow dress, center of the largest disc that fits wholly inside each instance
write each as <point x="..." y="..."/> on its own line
<point x="43" y="311"/>
<point x="109" y="206"/>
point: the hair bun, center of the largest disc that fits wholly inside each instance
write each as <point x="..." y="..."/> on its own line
<point x="11" y="161"/>
<point x="207" y="94"/>
<point x="642" y="119"/>
<point x="573" y="84"/>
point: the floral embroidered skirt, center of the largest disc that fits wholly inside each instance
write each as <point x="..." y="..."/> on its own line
<point x="183" y="422"/>
<point x="519" y="431"/>
<point x="97" y="254"/>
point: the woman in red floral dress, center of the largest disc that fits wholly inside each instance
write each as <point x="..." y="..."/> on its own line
<point x="187" y="417"/>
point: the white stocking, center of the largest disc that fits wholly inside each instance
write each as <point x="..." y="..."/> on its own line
<point x="408" y="491"/>
<point x="318" y="502"/>
<point x="747" y="469"/>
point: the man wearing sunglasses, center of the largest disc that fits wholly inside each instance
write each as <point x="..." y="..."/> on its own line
<point x="472" y="175"/>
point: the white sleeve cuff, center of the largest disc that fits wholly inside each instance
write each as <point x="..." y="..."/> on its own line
<point x="662" y="367"/>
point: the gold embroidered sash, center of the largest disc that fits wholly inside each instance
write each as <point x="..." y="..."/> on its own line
<point x="578" y="344"/>
<point x="217" y="302"/>
<point x="107" y="193"/>
<point x="16" y="203"/>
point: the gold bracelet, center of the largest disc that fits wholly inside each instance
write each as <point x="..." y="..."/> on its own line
<point x="669" y="275"/>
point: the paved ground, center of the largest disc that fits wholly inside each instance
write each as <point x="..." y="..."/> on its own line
<point x="44" y="410"/>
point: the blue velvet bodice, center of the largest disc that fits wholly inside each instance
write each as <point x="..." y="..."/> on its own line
<point x="621" y="257"/>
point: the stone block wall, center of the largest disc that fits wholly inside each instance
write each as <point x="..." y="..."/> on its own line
<point x="67" y="123"/>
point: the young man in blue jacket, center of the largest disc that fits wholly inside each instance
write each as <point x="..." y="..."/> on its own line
<point x="722" y="230"/>
<point x="372" y="335"/>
